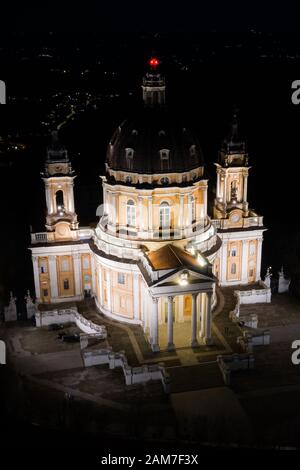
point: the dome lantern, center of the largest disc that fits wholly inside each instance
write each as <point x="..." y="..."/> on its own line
<point x="153" y="85"/>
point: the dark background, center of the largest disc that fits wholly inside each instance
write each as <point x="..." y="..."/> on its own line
<point x="208" y="75"/>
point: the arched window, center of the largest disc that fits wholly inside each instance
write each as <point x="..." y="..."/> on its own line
<point x="233" y="251"/>
<point x="233" y="268"/>
<point x="59" y="197"/>
<point x="193" y="151"/>
<point x="234" y="189"/>
<point x="131" y="213"/>
<point x="164" y="159"/>
<point x="164" y="215"/>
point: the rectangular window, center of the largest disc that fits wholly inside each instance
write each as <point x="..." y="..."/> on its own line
<point x="121" y="278"/>
<point x="45" y="292"/>
<point x="252" y="249"/>
<point x="66" y="284"/>
<point x="65" y="265"/>
<point x="86" y="263"/>
<point x="43" y="268"/>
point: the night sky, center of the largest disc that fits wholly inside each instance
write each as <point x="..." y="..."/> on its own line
<point x="208" y="74"/>
<point x="133" y="16"/>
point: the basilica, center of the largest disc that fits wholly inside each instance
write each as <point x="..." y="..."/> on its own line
<point x="156" y="254"/>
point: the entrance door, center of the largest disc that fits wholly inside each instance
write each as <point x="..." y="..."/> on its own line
<point x="187" y="305"/>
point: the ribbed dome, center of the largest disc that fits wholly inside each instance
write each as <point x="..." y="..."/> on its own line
<point x="142" y="142"/>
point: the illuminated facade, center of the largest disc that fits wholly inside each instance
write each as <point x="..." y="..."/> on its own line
<point x="156" y="255"/>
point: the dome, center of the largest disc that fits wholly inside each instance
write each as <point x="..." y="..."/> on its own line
<point x="154" y="141"/>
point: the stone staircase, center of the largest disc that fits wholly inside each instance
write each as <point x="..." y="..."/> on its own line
<point x="197" y="377"/>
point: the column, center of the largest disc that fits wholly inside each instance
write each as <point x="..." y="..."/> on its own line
<point x="108" y="287"/>
<point x="147" y="313"/>
<point x="140" y="222"/>
<point x="154" y="323"/>
<point x="48" y="199"/>
<point x="70" y="187"/>
<point x="116" y="203"/>
<point x="225" y="189"/>
<point x="245" y="177"/>
<point x="77" y="274"/>
<point x="53" y="276"/>
<point x="223" y="263"/>
<point x="205" y="202"/>
<point x="171" y="346"/>
<point x="190" y="210"/>
<point x="218" y="185"/>
<point x="108" y="206"/>
<point x="100" y="283"/>
<point x="181" y="211"/>
<point x="93" y="269"/>
<point x="136" y="298"/>
<point x="207" y="339"/>
<point x="258" y="258"/>
<point x="113" y="212"/>
<point x="150" y="215"/>
<point x="194" y="342"/>
<point x="245" y="262"/>
<point x="202" y="314"/>
<point x="104" y="200"/>
<point x="36" y="275"/>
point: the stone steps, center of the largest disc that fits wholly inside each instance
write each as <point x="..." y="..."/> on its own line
<point x="195" y="377"/>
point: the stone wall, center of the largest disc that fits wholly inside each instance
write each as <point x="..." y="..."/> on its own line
<point x="254" y="296"/>
<point x="69" y="315"/>
<point x="234" y="362"/>
<point x="132" y="375"/>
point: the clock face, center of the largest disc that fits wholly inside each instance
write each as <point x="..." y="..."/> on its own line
<point x="235" y="218"/>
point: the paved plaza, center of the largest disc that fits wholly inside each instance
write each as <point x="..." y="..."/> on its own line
<point x="55" y="369"/>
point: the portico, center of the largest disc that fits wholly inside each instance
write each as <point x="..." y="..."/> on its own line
<point x="173" y="326"/>
<point x="180" y="292"/>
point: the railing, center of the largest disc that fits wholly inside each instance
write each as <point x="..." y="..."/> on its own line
<point x="41" y="237"/>
<point x="255" y="221"/>
<point x="155" y="233"/>
<point x="47" y="237"/>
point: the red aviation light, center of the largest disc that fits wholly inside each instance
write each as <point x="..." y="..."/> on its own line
<point x="153" y="62"/>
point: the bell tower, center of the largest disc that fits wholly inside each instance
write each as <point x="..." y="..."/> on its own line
<point x="58" y="177"/>
<point x="232" y="176"/>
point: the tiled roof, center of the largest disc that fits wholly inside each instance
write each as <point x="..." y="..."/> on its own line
<point x="173" y="257"/>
